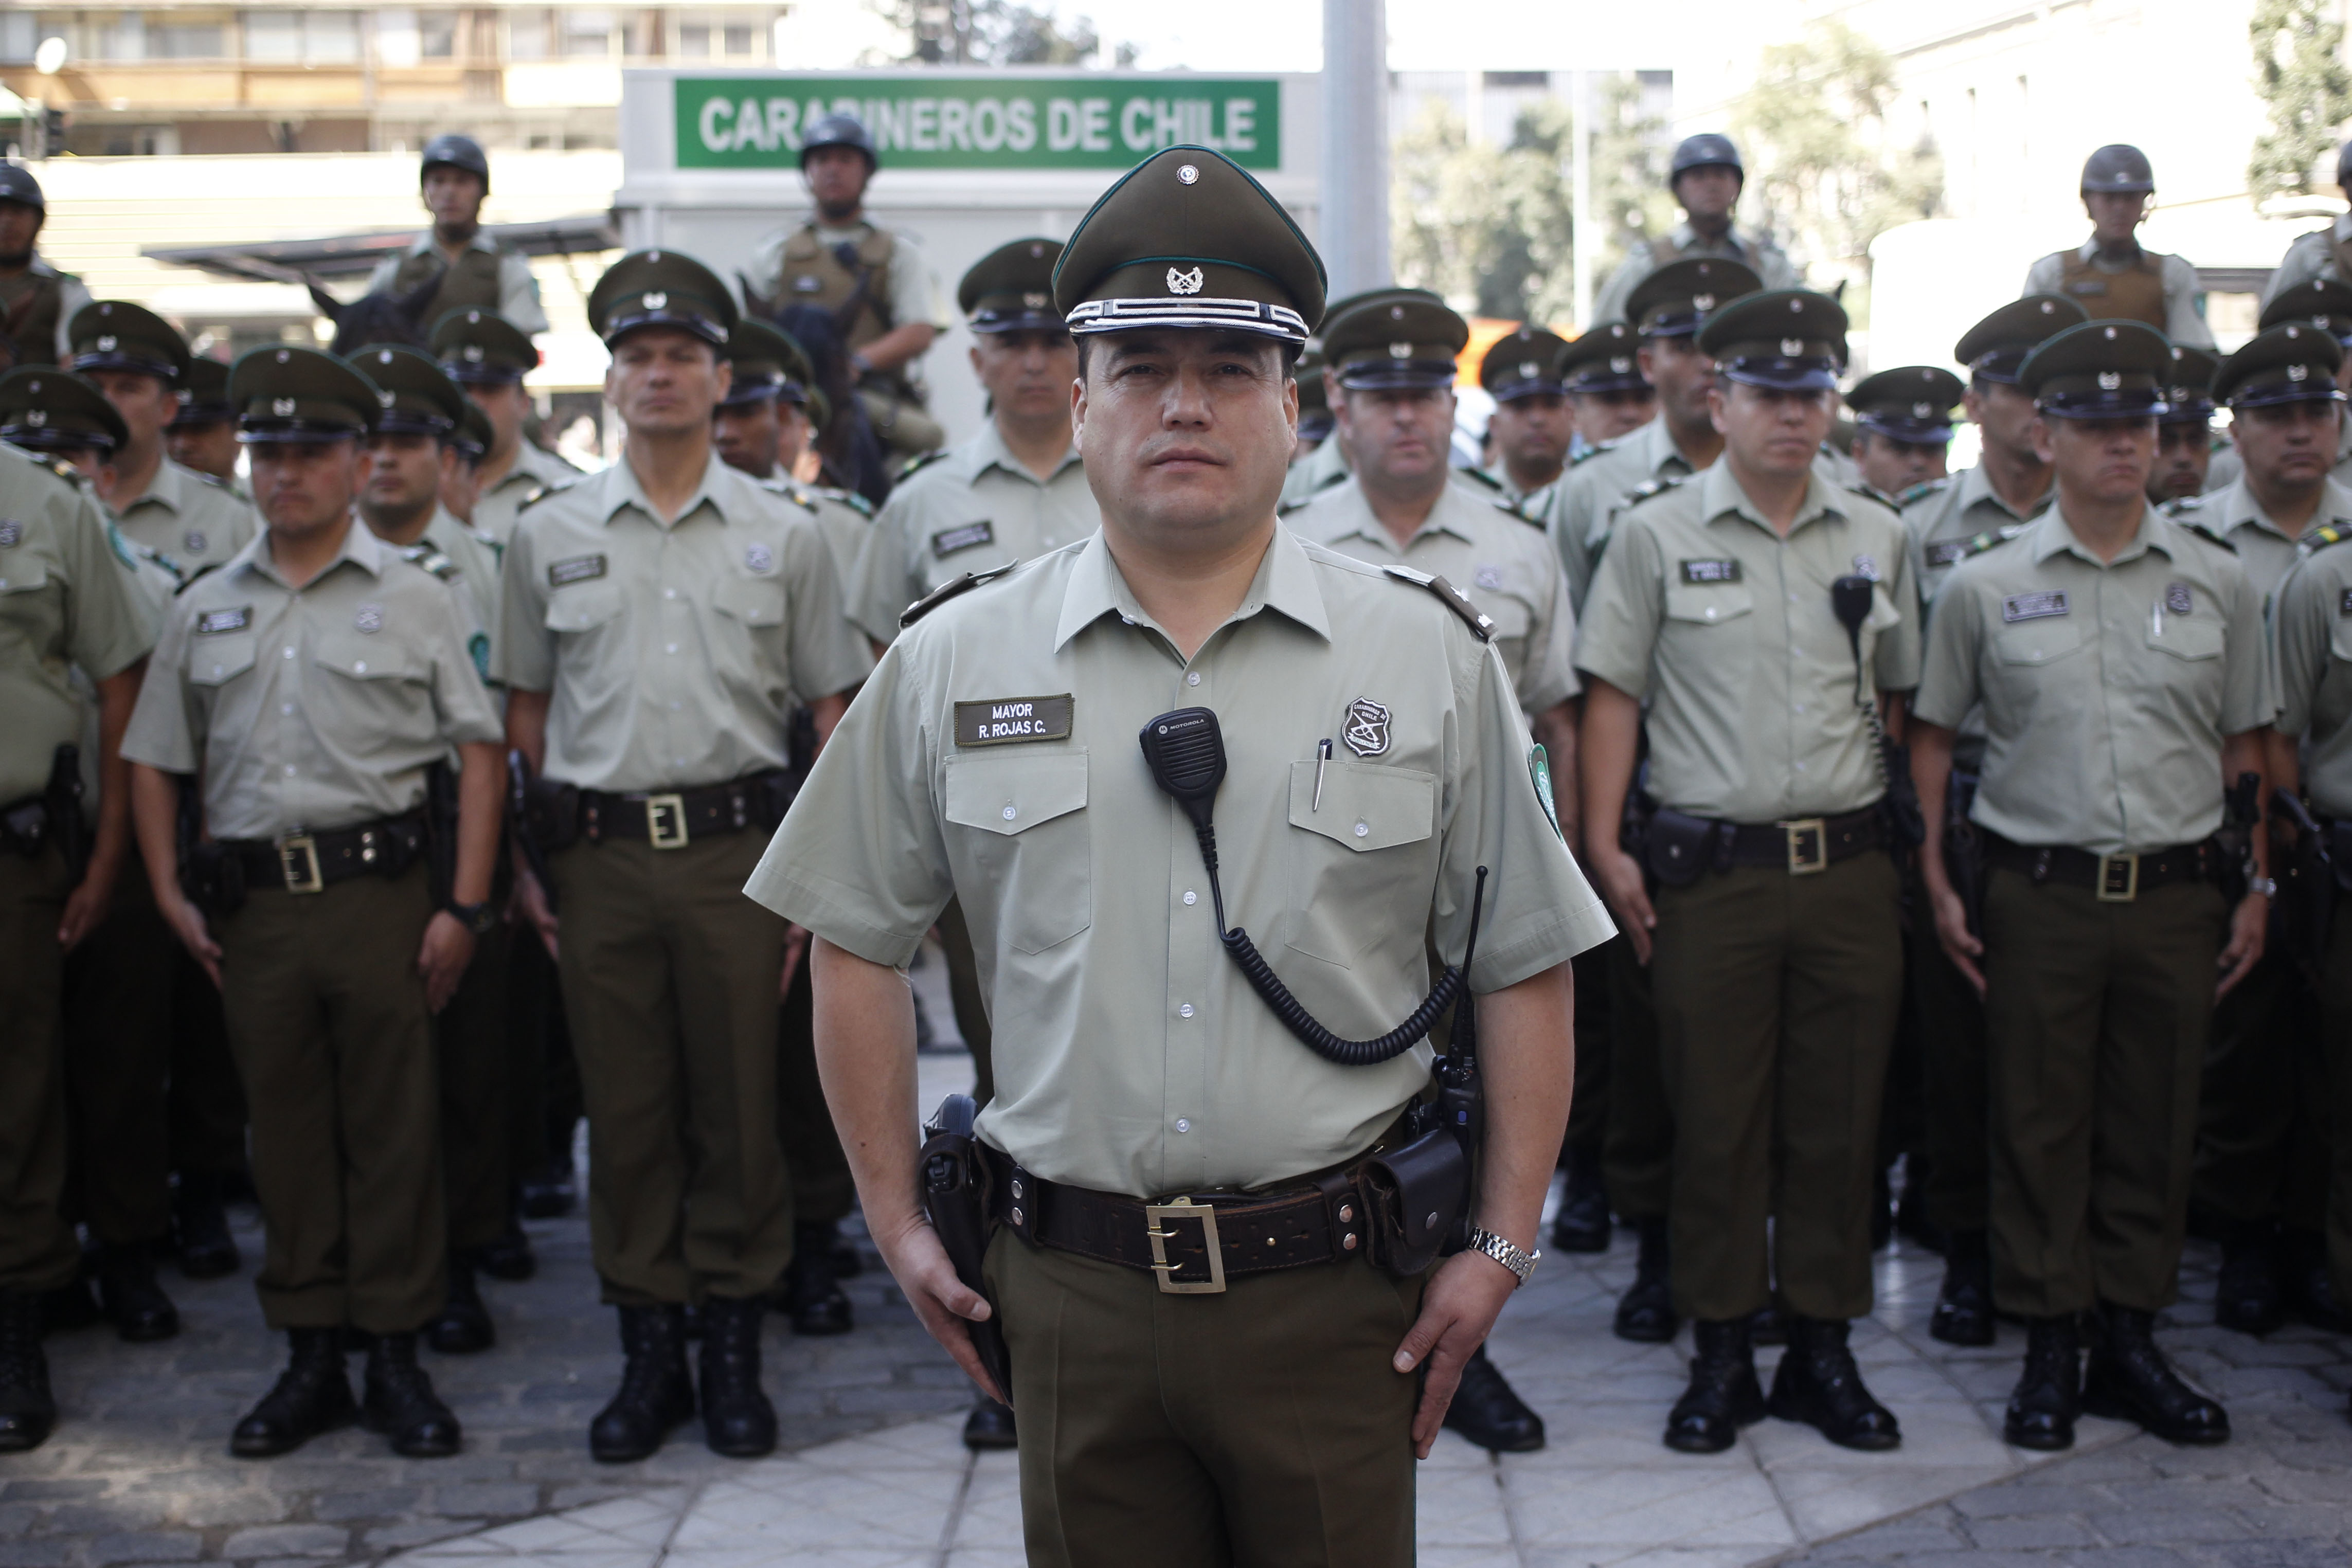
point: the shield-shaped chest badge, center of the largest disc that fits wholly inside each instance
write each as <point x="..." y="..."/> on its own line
<point x="1367" y="734"/>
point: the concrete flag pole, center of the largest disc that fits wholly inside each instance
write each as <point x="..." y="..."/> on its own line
<point x="1354" y="220"/>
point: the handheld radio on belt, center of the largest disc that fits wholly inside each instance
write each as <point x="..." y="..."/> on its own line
<point x="1850" y="599"/>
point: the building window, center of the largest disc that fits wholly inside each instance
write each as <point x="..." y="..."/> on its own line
<point x="527" y="36"/>
<point x="187" y="41"/>
<point x="436" y="35"/>
<point x="20" y="35"/>
<point x="330" y="37"/>
<point x="739" y="42"/>
<point x="396" y="44"/>
<point x="587" y="35"/>
<point x="694" y="40"/>
<point x="302" y="37"/>
<point x="274" y="37"/>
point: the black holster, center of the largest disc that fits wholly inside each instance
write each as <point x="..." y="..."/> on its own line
<point x="441" y="831"/>
<point x="954" y="1179"/>
<point x="1963" y="856"/>
<point x="212" y="876"/>
<point x="1418" y="1194"/>
<point x="1907" y="824"/>
<point x="63" y="799"/>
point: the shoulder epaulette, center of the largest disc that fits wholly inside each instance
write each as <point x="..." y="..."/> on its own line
<point x="1481" y="625"/>
<point x="1518" y="511"/>
<point x="1877" y="498"/>
<point x="1922" y="490"/>
<point x="941" y="595"/>
<point x="553" y="487"/>
<point x="2180" y="506"/>
<point x="2327" y="534"/>
<point x="916" y="463"/>
<point x="2207" y="534"/>
<point x="431" y="559"/>
<point x="64" y="470"/>
<point x="1481" y="476"/>
<point x="1284" y="509"/>
<point x="214" y="480"/>
<point x="197" y="576"/>
<point x="855" y="501"/>
<point x="1589" y="453"/>
<point x="1648" y="488"/>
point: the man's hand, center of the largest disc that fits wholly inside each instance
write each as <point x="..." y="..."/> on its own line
<point x="1628" y="895"/>
<point x="1457" y="1311"/>
<point x="187" y="923"/>
<point x="529" y="907"/>
<point x="916" y="1260"/>
<point x="86" y="909"/>
<point x="2249" y="926"/>
<point x="442" y="958"/>
<point x="1952" y="930"/>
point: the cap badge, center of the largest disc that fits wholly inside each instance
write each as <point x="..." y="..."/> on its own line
<point x="2298" y="373"/>
<point x="1792" y="347"/>
<point x="1186" y="174"/>
<point x="653" y="255"/>
<point x="106" y="343"/>
<point x="471" y="353"/>
<point x="1529" y="369"/>
<point x="1034" y="301"/>
<point x="2047" y="308"/>
<point x="2110" y="380"/>
<point x="282" y="407"/>
<point x="384" y="397"/>
<point x="370" y="618"/>
<point x="1702" y="301"/>
<point x="2292" y="332"/>
<point x="383" y="356"/>
<point x="655" y="299"/>
<point x="2111" y="333"/>
<point x="1620" y="365"/>
<point x="473" y="318"/>
<point x="1922" y="409"/>
<point x="194" y="540"/>
<point x="1367" y="734"/>
<point x="1185" y="282"/>
<point x="284" y="356"/>
<point x="759" y="557"/>
<point x="37" y="417"/>
<point x="1400" y="351"/>
<point x="1036" y="251"/>
<point x="1795" y="305"/>
<point x="1396" y="312"/>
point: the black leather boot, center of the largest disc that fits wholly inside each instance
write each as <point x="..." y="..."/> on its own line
<point x="1489" y="1413"/>
<point x="310" y="1396"/>
<point x="2130" y="1380"/>
<point x="738" y="1422"/>
<point x="68" y="1307"/>
<point x="1582" y="1223"/>
<point x="657" y="1396"/>
<point x="809" y="1293"/>
<point x="1723" y="1395"/>
<point x="548" y="1193"/>
<point x="1766" y="1327"/>
<point x="1645" y="1313"/>
<point x="130" y="1297"/>
<point x="27" y="1411"/>
<point x="200" y="1227"/>
<point x="1818" y="1384"/>
<point x="990" y="1426"/>
<point x="463" y="1325"/>
<point x="1964" y="1306"/>
<point x="2049" y="1397"/>
<point x="509" y="1256"/>
<point x="401" y="1404"/>
<point x="2310" y="1292"/>
<point x="2247" y="1297"/>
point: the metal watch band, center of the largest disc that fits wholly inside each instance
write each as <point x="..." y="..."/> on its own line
<point x="477" y="918"/>
<point x="2266" y="886"/>
<point x="1519" y="1264"/>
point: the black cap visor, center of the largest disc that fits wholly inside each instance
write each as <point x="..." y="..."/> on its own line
<point x="1781" y="373"/>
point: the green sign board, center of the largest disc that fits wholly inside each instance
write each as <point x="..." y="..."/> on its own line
<point x="980" y="122"/>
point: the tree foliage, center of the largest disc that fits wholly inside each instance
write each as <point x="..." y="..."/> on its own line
<point x="995" y="33"/>
<point x="1825" y="173"/>
<point x="2300" y="76"/>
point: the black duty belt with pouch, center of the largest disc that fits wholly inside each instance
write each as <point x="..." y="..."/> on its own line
<point x="218" y="875"/>
<point x="1678" y="849"/>
<point x="673" y="819"/>
<point x="52" y="817"/>
<point x="2117" y="878"/>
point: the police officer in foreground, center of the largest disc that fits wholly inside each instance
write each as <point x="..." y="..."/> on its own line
<point x="2110" y="275"/>
<point x="55" y="887"/>
<point x="202" y="436"/>
<point x="1707" y="177"/>
<point x="1755" y="608"/>
<point x="1531" y="425"/>
<point x="2322" y="254"/>
<point x="36" y="300"/>
<point x="2324" y="303"/>
<point x="61" y="417"/>
<point x="1903" y="427"/>
<point x="1150" y="1073"/>
<point x="311" y="904"/>
<point x="2118" y="658"/>
<point x="660" y="620"/>
<point x="873" y="281"/>
<point x="488" y="356"/>
<point x="138" y="358"/>
<point x="469" y="269"/>
<point x="2260" y="1140"/>
<point x="2184" y="435"/>
<point x="1607" y="394"/>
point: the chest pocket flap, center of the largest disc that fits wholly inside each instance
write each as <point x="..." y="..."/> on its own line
<point x="580" y="607"/>
<point x="2039" y="641"/>
<point x="1364" y="807"/>
<point x="1708" y="604"/>
<point x="23" y="576"/>
<point x="2190" y="637"/>
<point x="1013" y="794"/>
<point x="216" y="658"/>
<point x="753" y="600"/>
<point x="368" y="658"/>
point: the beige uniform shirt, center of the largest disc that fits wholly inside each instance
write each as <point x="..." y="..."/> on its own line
<point x="2311" y="255"/>
<point x="469" y="563"/>
<point x="1727" y="630"/>
<point x="1948" y="517"/>
<point x="1753" y="250"/>
<point x="1583" y="507"/>
<point x="1316" y="472"/>
<point x="2107" y="689"/>
<point x="2182" y="324"/>
<point x="2266" y="552"/>
<point x="1489" y="553"/>
<point x="534" y="470"/>
<point x="843" y="522"/>
<point x="191" y="518"/>
<point x="67" y="601"/>
<point x="676" y="651"/>
<point x="974" y="509"/>
<point x="310" y="707"/>
<point x="2311" y="633"/>
<point x="1142" y="1062"/>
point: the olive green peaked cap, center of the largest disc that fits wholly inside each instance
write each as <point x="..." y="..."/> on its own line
<point x="482" y="346"/>
<point x="44" y="409"/>
<point x="293" y="394"/>
<point x="2100" y="369"/>
<point x="203" y="394"/>
<point x="412" y="394"/>
<point x="116" y="335"/>
<point x="1523" y="362"/>
<point x="1394" y="338"/>
<point x="2295" y="363"/>
<point x="1011" y="289"/>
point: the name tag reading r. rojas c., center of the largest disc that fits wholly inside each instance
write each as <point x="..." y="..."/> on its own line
<point x="1002" y="721"/>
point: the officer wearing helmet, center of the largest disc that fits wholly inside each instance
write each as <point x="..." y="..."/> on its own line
<point x="874" y="281"/>
<point x="474" y="269"/>
<point x="36" y="300"/>
<point x="2110" y="275"/>
<point x="2324" y="252"/>
<point x="1706" y="177"/>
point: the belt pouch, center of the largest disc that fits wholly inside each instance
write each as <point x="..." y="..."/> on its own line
<point x="1415" y="1193"/>
<point x="1679" y="847"/>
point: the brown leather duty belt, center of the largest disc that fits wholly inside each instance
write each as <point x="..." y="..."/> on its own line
<point x="2117" y="878"/>
<point x="1194" y="1243"/>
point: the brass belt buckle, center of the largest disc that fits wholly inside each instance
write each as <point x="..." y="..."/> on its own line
<point x="1808" y="845"/>
<point x="673" y="836"/>
<point x="2118" y="879"/>
<point x="1184" y="1208"/>
<point x="298" y="863"/>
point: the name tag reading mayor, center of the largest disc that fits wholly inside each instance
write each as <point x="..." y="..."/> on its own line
<point x="1004" y="721"/>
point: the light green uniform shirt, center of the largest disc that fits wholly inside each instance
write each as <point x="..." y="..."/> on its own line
<point x="676" y="651"/>
<point x="1132" y="1056"/>
<point x="1952" y="515"/>
<point x="192" y="519"/>
<point x="2311" y="631"/>
<point x="2107" y="689"/>
<point x="843" y="524"/>
<point x="2311" y="255"/>
<point x="1770" y="262"/>
<point x="1583" y="506"/>
<point x="2182" y="323"/>
<point x="310" y="707"/>
<point x="534" y="470"/>
<point x="1727" y="630"/>
<point x="1489" y="553"/>
<point x="974" y="509"/>
<point x="1316" y="472"/>
<point x="469" y="563"/>
<point x="67" y="601"/>
<point x="2266" y="550"/>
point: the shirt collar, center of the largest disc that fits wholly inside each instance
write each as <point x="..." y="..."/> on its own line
<point x="2236" y="506"/>
<point x="2089" y="251"/>
<point x="1658" y="448"/>
<point x="360" y="547"/>
<point x="1723" y="493"/>
<point x="1976" y="485"/>
<point x="1687" y="238"/>
<point x="1284" y="581"/>
<point x="2050" y="534"/>
<point x="1444" y="517"/>
<point x="167" y="489"/>
<point x="622" y="489"/>
<point x="988" y="450"/>
<point x="481" y="241"/>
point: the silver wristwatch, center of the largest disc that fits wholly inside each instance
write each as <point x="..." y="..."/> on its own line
<point x="1519" y="1264"/>
<point x="2266" y="886"/>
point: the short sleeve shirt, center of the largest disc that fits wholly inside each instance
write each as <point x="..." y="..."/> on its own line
<point x="974" y="509"/>
<point x="993" y="758"/>
<point x="1728" y="630"/>
<point x="2266" y="550"/>
<point x="2311" y="631"/>
<point x="676" y="651"/>
<point x="1489" y="553"/>
<point x="67" y="601"/>
<point x="1583" y="506"/>
<point x="311" y="708"/>
<point x="1955" y="519"/>
<point x="191" y="518"/>
<point x="2107" y="688"/>
<point x="535" y="469"/>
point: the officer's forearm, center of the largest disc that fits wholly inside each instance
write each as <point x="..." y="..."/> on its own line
<point x="1527" y="1053"/>
<point x="527" y="726"/>
<point x="116" y="696"/>
<point x="155" y="814"/>
<point x="1606" y="745"/>
<point x="2282" y="765"/>
<point x="899" y="344"/>
<point x="865" y="1027"/>
<point x="481" y="801"/>
<point x="1931" y="771"/>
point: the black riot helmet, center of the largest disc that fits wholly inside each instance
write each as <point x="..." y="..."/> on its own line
<point x="455" y="152"/>
<point x="1706" y="150"/>
<point x="17" y="185"/>
<point x="2343" y="166"/>
<point x="839" y="130"/>
<point x="2120" y="168"/>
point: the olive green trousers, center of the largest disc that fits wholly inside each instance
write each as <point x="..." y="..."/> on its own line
<point x="2335" y="1003"/>
<point x="471" y="1037"/>
<point x="2263" y="1127"/>
<point x="118" y="1026"/>
<point x="37" y="1251"/>
<point x="1948" y="1017"/>
<point x="1637" y="1146"/>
